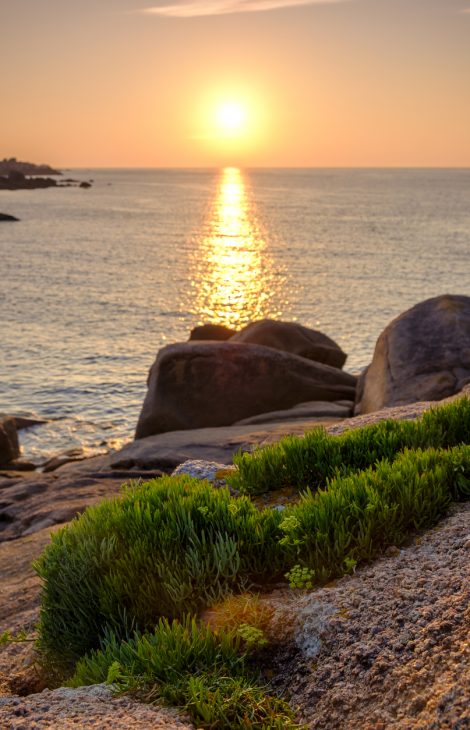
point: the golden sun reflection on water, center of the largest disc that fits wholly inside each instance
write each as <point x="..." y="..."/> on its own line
<point x="232" y="271"/>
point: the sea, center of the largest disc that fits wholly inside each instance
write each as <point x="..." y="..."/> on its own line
<point x="95" y="281"/>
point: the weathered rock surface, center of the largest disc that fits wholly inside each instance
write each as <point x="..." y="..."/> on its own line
<point x="32" y="502"/>
<point x="294" y="338"/>
<point x="424" y="354"/>
<point x="9" y="445"/>
<point x="211" y="471"/>
<point x="202" y="384"/>
<point x="19" y="611"/>
<point x="387" y="647"/>
<point x="86" y="707"/>
<point x="304" y="411"/>
<point x="66" y="457"/>
<point x="211" y="332"/>
<point x="166" y="450"/>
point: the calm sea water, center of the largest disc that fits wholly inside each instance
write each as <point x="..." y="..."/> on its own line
<point x="94" y="282"/>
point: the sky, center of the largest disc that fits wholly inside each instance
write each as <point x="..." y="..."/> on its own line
<point x="204" y="83"/>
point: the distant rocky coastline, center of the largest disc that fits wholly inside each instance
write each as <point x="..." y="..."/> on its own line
<point x="25" y="168"/>
<point x="17" y="175"/>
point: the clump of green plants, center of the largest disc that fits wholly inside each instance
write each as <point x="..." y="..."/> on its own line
<point x="300" y="577"/>
<point x="357" y="516"/>
<point x="176" y="545"/>
<point x="253" y="638"/>
<point x="121" y="579"/>
<point x="316" y="458"/>
<point x="188" y="665"/>
<point x="165" y="548"/>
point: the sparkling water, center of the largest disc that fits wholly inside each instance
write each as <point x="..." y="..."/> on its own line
<point x="94" y="282"/>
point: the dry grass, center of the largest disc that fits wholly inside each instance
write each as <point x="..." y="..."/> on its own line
<point x="235" y="611"/>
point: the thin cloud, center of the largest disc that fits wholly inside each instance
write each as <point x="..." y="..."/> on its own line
<point x="198" y="8"/>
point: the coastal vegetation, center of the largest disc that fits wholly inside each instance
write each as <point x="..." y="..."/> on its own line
<point x="189" y="665"/>
<point x="175" y="546"/>
<point x="310" y="461"/>
<point x="125" y="583"/>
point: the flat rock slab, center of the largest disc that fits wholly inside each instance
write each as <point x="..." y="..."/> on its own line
<point x="86" y="707"/>
<point x="303" y="411"/>
<point x="166" y="450"/>
<point x="39" y="501"/>
<point x="19" y="610"/>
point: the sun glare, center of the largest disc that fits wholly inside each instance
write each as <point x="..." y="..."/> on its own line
<point x="230" y="124"/>
<point x="231" y="117"/>
<point x="232" y="270"/>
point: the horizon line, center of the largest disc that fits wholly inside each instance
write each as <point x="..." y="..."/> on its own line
<point x="264" y="167"/>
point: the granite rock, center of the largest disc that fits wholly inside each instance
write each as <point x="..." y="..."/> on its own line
<point x="424" y="354"/>
<point x="303" y="411"/>
<point x="9" y="445"/>
<point x="203" y="384"/>
<point x="211" y="332"/>
<point x="294" y="338"/>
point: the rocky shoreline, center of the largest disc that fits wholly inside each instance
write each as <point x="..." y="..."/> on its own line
<point x="207" y="398"/>
<point x="19" y="181"/>
<point x="11" y="164"/>
<point x="408" y="609"/>
<point x="17" y="175"/>
<point x="45" y="504"/>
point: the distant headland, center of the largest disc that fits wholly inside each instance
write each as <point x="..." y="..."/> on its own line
<point x="17" y="175"/>
<point x="25" y="168"/>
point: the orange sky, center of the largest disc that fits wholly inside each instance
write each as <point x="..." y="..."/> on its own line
<point x="321" y="83"/>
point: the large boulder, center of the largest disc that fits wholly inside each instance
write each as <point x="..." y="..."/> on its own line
<point x="9" y="446"/>
<point x="201" y="384"/>
<point x="422" y="355"/>
<point x="211" y="332"/>
<point x="294" y="338"/>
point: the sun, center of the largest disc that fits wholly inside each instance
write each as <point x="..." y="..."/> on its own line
<point x="231" y="118"/>
<point x="230" y="123"/>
